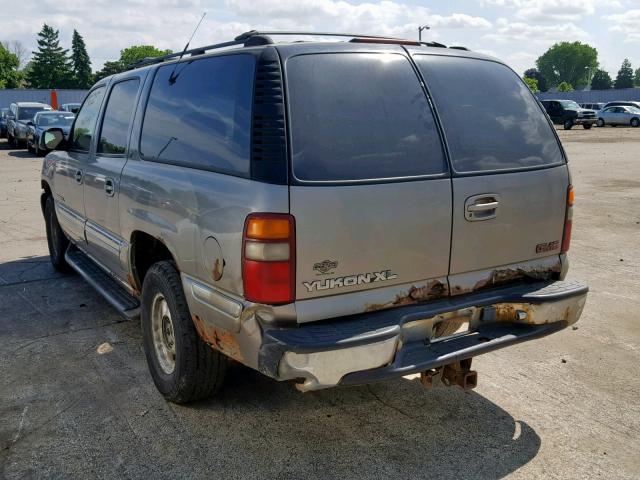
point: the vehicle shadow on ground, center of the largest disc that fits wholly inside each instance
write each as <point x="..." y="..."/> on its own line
<point x="395" y="428"/>
<point x="21" y="154"/>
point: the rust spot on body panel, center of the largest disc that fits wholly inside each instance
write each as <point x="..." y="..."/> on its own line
<point x="501" y="277"/>
<point x="218" y="338"/>
<point x="431" y="291"/>
<point x="132" y="283"/>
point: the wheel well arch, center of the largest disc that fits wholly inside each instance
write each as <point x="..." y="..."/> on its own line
<point x="47" y="192"/>
<point x="144" y="251"/>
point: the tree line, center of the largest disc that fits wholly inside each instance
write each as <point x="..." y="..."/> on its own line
<point x="53" y="66"/>
<point x="569" y="65"/>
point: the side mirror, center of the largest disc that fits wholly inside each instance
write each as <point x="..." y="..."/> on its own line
<point x="30" y="123"/>
<point x="54" y="139"/>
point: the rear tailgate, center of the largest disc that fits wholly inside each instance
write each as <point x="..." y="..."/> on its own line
<point x="371" y="192"/>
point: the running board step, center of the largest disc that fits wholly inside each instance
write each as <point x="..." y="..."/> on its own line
<point x="105" y="284"/>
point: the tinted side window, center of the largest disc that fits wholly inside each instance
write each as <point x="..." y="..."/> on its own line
<point x="85" y="124"/>
<point x="199" y="114"/>
<point x="117" y="116"/>
<point x="491" y="119"/>
<point x="360" y="116"/>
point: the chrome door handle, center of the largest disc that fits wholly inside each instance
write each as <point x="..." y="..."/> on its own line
<point x="109" y="187"/>
<point x="78" y="176"/>
<point x="482" y="207"/>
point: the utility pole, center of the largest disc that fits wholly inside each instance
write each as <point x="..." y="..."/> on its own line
<point x="420" y="29"/>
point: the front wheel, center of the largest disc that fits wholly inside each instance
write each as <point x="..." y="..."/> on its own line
<point x="587" y="126"/>
<point x="56" y="239"/>
<point x="568" y="124"/>
<point x="600" y="122"/>
<point x="183" y="367"/>
<point x="635" y="122"/>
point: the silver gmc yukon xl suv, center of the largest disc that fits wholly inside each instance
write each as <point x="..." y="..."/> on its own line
<point x="333" y="213"/>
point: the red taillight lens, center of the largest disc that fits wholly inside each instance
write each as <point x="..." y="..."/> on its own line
<point x="268" y="258"/>
<point x="568" y="219"/>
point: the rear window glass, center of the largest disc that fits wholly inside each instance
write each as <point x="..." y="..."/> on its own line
<point x="491" y="119"/>
<point x="360" y="117"/>
<point x="199" y="114"/>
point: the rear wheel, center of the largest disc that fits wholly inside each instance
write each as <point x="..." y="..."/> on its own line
<point x="600" y="122"/>
<point x="587" y="126"/>
<point x="568" y="124"/>
<point x="183" y="367"/>
<point x="56" y="239"/>
<point x="635" y="122"/>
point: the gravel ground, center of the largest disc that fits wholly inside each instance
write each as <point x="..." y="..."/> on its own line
<point x="562" y="407"/>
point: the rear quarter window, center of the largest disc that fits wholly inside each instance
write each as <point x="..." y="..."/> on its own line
<point x="358" y="116"/>
<point x="490" y="118"/>
<point x="198" y="114"/>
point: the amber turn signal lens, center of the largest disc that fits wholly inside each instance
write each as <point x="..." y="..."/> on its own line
<point x="265" y="228"/>
<point x="570" y="195"/>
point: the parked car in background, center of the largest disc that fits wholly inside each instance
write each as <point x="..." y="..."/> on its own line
<point x="42" y="122"/>
<point x="623" y="103"/>
<point x="568" y="113"/>
<point x="619" y="116"/>
<point x="4" y="113"/>
<point x="183" y="199"/>
<point x="593" y="106"/>
<point x="19" y="114"/>
<point x="70" y="107"/>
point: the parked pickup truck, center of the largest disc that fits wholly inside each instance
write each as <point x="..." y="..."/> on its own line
<point x="568" y="113"/>
<point x="323" y="212"/>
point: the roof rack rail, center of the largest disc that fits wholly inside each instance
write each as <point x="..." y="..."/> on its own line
<point x="255" y="37"/>
<point x="194" y="51"/>
<point x="251" y="33"/>
<point x="457" y="47"/>
<point x="433" y="44"/>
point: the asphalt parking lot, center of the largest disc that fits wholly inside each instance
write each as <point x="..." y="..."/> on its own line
<point x="562" y="407"/>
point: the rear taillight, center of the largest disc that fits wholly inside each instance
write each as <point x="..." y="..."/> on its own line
<point x="568" y="217"/>
<point x="269" y="258"/>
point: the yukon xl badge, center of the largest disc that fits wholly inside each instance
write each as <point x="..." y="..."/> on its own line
<point x="325" y="266"/>
<point x="350" y="280"/>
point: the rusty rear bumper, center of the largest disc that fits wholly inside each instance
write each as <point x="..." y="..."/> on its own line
<point x="390" y="343"/>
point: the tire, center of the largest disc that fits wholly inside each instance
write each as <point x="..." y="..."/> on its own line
<point x="587" y="126"/>
<point x="635" y="123"/>
<point x="10" y="140"/>
<point x="600" y="122"/>
<point x="198" y="370"/>
<point x="56" y="239"/>
<point x="568" y="124"/>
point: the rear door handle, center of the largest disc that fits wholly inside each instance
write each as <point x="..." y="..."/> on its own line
<point x="481" y="207"/>
<point x="109" y="187"/>
<point x="78" y="176"/>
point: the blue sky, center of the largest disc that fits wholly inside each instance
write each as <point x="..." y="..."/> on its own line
<point x="516" y="31"/>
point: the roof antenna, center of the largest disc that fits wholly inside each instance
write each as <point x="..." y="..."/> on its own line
<point x="172" y="78"/>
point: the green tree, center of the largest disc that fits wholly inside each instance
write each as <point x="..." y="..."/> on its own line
<point x="565" y="87"/>
<point x="135" y="53"/>
<point x="10" y="77"/>
<point x="568" y="62"/>
<point x="50" y="66"/>
<point x="80" y="62"/>
<point x="636" y="78"/>
<point x="625" y="75"/>
<point x="532" y="83"/>
<point x="537" y="76"/>
<point x="601" y="81"/>
<point x="109" y="68"/>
